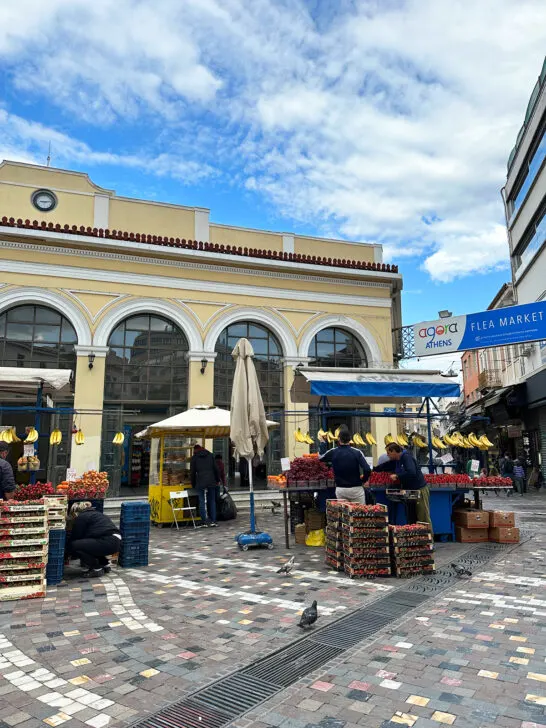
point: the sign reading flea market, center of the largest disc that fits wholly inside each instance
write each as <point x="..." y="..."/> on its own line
<point x="499" y="327"/>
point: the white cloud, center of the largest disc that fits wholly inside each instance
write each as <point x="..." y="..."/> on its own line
<point x="375" y="120"/>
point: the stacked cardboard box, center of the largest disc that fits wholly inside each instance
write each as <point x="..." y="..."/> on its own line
<point x="23" y="549"/>
<point x="412" y="550"/>
<point x="502" y="527"/>
<point x="314" y="520"/>
<point x="365" y="540"/>
<point x="471" y="526"/>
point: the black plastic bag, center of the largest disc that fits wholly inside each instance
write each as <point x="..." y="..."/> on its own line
<point x="226" y="510"/>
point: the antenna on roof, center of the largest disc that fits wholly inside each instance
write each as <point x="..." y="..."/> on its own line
<point x="49" y="155"/>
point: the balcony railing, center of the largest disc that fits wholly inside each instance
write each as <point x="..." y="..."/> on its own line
<point x="489" y="379"/>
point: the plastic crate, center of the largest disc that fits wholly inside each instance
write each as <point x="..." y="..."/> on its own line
<point x="138" y="512"/>
<point x="133" y="555"/>
<point x="55" y="572"/>
<point x="140" y="529"/>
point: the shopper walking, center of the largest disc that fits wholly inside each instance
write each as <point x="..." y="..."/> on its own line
<point x="347" y="463"/>
<point x="519" y="478"/>
<point x="205" y="477"/>
<point x="91" y="537"/>
<point x="411" y="477"/>
<point x="7" y="481"/>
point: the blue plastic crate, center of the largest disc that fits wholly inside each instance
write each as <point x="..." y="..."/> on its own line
<point x="55" y="571"/>
<point x="57" y="535"/>
<point x="133" y="563"/>
<point x="133" y="554"/>
<point x="133" y="512"/>
<point x="139" y="528"/>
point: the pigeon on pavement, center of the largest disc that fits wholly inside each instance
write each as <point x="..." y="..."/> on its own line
<point x="460" y="570"/>
<point x="309" y="616"/>
<point x="287" y="568"/>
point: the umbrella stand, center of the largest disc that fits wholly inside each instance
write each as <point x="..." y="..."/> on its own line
<point x="251" y="495"/>
<point x="253" y="537"/>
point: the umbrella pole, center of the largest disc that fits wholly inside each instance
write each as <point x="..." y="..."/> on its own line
<point x="251" y="488"/>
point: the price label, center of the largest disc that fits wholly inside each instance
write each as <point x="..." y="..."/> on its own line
<point x="71" y="475"/>
<point x="475" y="466"/>
<point x="285" y="464"/>
<point x="28" y="449"/>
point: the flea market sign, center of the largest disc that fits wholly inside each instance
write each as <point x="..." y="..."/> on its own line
<point x="498" y="327"/>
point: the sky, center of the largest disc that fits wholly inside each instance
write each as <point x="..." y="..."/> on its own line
<point x="384" y="121"/>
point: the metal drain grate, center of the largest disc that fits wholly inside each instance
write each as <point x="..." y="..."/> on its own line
<point x="293" y="662"/>
<point x="221" y="702"/>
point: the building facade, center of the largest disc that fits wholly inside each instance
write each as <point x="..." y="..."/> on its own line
<point x="524" y="196"/>
<point x="144" y="301"/>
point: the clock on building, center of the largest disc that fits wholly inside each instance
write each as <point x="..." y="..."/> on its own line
<point x="44" y="200"/>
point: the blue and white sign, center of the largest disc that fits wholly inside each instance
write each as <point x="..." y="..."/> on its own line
<point x="498" y="327"/>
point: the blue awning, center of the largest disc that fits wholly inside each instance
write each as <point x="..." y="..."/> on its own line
<point x="378" y="385"/>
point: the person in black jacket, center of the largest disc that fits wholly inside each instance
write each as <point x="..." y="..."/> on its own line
<point x="411" y="477"/>
<point x="92" y="538"/>
<point x="347" y="462"/>
<point x="7" y="481"/>
<point x="205" y="477"/>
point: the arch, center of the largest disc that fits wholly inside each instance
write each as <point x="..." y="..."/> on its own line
<point x="171" y="311"/>
<point x="261" y="316"/>
<point x="366" y="339"/>
<point x="64" y="306"/>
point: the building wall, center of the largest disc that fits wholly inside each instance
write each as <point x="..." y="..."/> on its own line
<point x="98" y="282"/>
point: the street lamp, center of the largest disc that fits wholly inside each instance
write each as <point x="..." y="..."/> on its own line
<point x="445" y="313"/>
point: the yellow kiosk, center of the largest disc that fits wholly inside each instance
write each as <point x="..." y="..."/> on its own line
<point x="171" y="449"/>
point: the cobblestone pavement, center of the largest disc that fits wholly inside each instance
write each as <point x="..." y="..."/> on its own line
<point x="107" y="652"/>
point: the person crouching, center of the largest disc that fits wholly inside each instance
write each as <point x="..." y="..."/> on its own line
<point x="92" y="538"/>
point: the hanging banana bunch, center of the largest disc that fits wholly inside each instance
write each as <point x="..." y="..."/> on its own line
<point x="119" y="438"/>
<point x="389" y="439"/>
<point x="79" y="438"/>
<point x="6" y="435"/>
<point x="32" y="435"/>
<point x="331" y="437"/>
<point x="56" y="437"/>
<point x="370" y="439"/>
<point x="321" y="433"/>
<point x="419" y="442"/>
<point x="357" y="439"/>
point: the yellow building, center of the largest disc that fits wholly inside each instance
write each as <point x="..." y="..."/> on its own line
<point x="154" y="296"/>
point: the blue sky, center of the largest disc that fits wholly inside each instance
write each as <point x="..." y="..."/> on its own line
<point x="370" y="120"/>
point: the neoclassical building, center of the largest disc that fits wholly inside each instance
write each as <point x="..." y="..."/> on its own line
<point x="155" y="295"/>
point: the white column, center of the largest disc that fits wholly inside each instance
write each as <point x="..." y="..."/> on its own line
<point x="287" y="243"/>
<point x="101" y="214"/>
<point x="202" y="231"/>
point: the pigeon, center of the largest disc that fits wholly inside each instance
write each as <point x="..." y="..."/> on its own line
<point x="309" y="616"/>
<point x="287" y="568"/>
<point x="274" y="506"/>
<point x="460" y="570"/>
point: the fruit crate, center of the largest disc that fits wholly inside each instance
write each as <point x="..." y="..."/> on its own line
<point x="18" y="507"/>
<point x="31" y="554"/>
<point x="34" y="529"/>
<point x="13" y="542"/>
<point x="28" y="575"/>
<point x="132" y="555"/>
<point x="20" y="565"/>
<point x="135" y="513"/>
<point x="23" y="591"/>
<point x="30" y="518"/>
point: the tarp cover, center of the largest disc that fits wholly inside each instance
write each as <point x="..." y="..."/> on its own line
<point x="248" y="423"/>
<point x="386" y="384"/>
<point x="202" y="421"/>
<point x="14" y="378"/>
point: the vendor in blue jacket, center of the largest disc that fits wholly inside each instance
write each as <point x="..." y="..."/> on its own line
<point x="411" y="477"/>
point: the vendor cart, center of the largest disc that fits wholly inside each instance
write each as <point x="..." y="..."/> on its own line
<point x="171" y="449"/>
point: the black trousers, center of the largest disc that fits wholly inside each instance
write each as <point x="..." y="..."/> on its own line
<point x="93" y="551"/>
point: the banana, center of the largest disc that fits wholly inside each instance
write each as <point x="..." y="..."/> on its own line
<point x="486" y="441"/>
<point x="298" y="435"/>
<point x="330" y="437"/>
<point x="370" y="439"/>
<point x="14" y="437"/>
<point x="388" y="439"/>
<point x="56" y="437"/>
<point x="336" y="433"/>
<point x="119" y="438"/>
<point x="7" y="436"/>
<point x="321" y="433"/>
<point x="473" y="440"/>
<point x="360" y="440"/>
<point x="308" y="439"/>
<point x="402" y="439"/>
<point x="79" y="438"/>
<point x="32" y="435"/>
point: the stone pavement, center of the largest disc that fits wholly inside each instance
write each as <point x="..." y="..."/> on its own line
<point x="110" y="651"/>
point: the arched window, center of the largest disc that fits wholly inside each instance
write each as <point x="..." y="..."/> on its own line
<point x="267" y="359"/>
<point x="37" y="336"/>
<point x="147" y="362"/>
<point x="333" y="347"/>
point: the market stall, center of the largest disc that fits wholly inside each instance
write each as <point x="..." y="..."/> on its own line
<point x="171" y="449"/>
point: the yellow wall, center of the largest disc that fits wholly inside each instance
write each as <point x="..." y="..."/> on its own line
<point x="141" y="217"/>
<point x="71" y="209"/>
<point x="49" y="177"/>
<point x="333" y="249"/>
<point x="200" y="386"/>
<point x="222" y="234"/>
<point x="89" y="394"/>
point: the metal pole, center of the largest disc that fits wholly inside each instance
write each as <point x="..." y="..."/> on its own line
<point x="251" y="487"/>
<point x="39" y="394"/>
<point x="429" y="431"/>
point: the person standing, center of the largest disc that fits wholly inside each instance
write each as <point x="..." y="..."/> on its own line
<point x="411" y="477"/>
<point x="347" y="462"/>
<point x="205" y="477"/>
<point x="7" y="481"/>
<point x="519" y="478"/>
<point x="221" y="468"/>
<point x="506" y="465"/>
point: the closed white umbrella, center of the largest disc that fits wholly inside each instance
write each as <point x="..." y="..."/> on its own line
<point x="248" y="430"/>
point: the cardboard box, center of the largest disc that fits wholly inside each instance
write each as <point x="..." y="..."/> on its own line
<point x="471" y="535"/>
<point x="504" y="535"/>
<point x="504" y="519"/>
<point x="300" y="533"/>
<point x="471" y="519"/>
<point x="314" y="520"/>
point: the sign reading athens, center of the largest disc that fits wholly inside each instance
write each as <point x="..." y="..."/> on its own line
<point x="498" y="327"/>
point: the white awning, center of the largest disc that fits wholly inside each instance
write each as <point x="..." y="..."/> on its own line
<point x="202" y="421"/>
<point x="20" y="379"/>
